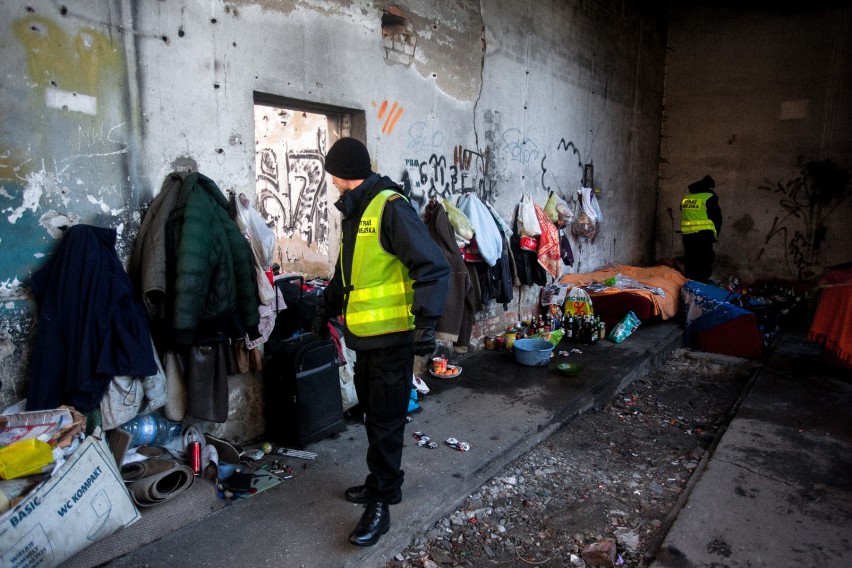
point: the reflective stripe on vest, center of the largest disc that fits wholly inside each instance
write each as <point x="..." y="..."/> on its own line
<point x="693" y="214"/>
<point x="381" y="292"/>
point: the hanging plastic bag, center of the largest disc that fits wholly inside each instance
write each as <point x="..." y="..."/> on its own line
<point x="262" y="241"/>
<point x="527" y="219"/>
<point x="459" y="221"/>
<point x="122" y="401"/>
<point x="585" y="218"/>
<point x="529" y="243"/>
<point x="550" y="207"/>
<point x="261" y="237"/>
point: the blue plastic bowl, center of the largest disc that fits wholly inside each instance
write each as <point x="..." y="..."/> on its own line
<point x="532" y="352"/>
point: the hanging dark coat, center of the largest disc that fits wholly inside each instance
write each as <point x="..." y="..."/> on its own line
<point x="456" y="323"/>
<point x="91" y="326"/>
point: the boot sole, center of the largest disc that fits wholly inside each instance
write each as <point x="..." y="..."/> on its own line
<point x="368" y="543"/>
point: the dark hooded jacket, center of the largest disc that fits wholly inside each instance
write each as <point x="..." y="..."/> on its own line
<point x="404" y="235"/>
<point x="209" y="263"/>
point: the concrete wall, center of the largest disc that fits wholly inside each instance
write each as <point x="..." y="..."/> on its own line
<point x="752" y="97"/>
<point x="102" y="99"/>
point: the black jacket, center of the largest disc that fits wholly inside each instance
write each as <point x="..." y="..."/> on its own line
<point x="404" y="235"/>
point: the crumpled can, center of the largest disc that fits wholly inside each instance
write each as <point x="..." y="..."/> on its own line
<point x="424" y="441"/>
<point x="455" y="444"/>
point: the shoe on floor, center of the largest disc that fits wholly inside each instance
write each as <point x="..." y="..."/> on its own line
<point x="373" y="524"/>
<point x="225" y="450"/>
<point x="358" y="494"/>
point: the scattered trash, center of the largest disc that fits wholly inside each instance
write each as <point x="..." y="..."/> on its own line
<point x="424" y="441"/>
<point x="420" y="385"/>
<point x="295" y="453"/>
<point x="254" y="454"/>
<point x="460" y="446"/>
<point x="577" y="351"/>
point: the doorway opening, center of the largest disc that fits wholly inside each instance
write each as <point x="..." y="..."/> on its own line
<point x="291" y="140"/>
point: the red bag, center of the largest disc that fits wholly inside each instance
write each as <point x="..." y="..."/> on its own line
<point x="529" y="243"/>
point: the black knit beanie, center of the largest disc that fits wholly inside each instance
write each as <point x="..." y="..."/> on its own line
<point x="348" y="158"/>
<point x="702" y="185"/>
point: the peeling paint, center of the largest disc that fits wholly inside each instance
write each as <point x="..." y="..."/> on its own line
<point x="39" y="184"/>
<point x="11" y="290"/>
<point x="55" y="224"/>
<point x="103" y="206"/>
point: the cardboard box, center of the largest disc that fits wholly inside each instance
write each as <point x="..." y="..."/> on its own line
<point x="81" y="503"/>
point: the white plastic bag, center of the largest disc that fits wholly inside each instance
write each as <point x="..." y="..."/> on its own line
<point x="262" y="240"/>
<point x="528" y="224"/>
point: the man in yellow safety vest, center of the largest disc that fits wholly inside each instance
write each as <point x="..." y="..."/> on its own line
<point x="701" y="222"/>
<point x="390" y="284"/>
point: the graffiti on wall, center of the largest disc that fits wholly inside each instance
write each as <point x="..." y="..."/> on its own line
<point x="437" y="177"/>
<point x="292" y="192"/>
<point x="808" y="200"/>
<point x="563" y="172"/>
<point x="293" y="204"/>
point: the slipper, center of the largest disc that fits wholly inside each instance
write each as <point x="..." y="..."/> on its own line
<point x="226" y="451"/>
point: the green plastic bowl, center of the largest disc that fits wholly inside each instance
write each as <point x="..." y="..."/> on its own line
<point x="569" y="369"/>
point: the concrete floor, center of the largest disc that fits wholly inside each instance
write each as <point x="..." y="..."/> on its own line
<point x="503" y="409"/>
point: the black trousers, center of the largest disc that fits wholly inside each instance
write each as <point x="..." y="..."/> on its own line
<point x="699" y="255"/>
<point x="383" y="384"/>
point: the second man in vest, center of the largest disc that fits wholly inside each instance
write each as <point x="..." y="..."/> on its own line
<point x="701" y="222"/>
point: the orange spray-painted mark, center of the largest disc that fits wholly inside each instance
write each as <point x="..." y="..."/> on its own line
<point x="392" y="116"/>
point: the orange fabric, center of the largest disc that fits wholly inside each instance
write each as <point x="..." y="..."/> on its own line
<point x="669" y="279"/>
<point x="832" y="323"/>
<point x="548" y="244"/>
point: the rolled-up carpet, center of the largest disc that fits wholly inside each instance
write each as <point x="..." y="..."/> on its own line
<point x="137" y="470"/>
<point x="160" y="481"/>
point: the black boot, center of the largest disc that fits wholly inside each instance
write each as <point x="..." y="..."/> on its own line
<point x="374" y="523"/>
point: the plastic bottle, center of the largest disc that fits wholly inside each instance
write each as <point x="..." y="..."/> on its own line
<point x="151" y="430"/>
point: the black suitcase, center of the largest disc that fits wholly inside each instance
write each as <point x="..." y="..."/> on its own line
<point x="302" y="391"/>
<point x="301" y="307"/>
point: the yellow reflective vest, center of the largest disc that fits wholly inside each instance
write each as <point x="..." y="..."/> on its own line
<point x="380" y="292"/>
<point x="693" y="214"/>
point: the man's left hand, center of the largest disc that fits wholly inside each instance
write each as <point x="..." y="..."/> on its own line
<point x="424" y="340"/>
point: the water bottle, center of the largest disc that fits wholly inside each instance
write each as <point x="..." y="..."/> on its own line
<point x="151" y="430"/>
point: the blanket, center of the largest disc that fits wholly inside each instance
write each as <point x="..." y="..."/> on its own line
<point x="665" y="278"/>
<point x="830" y="325"/>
